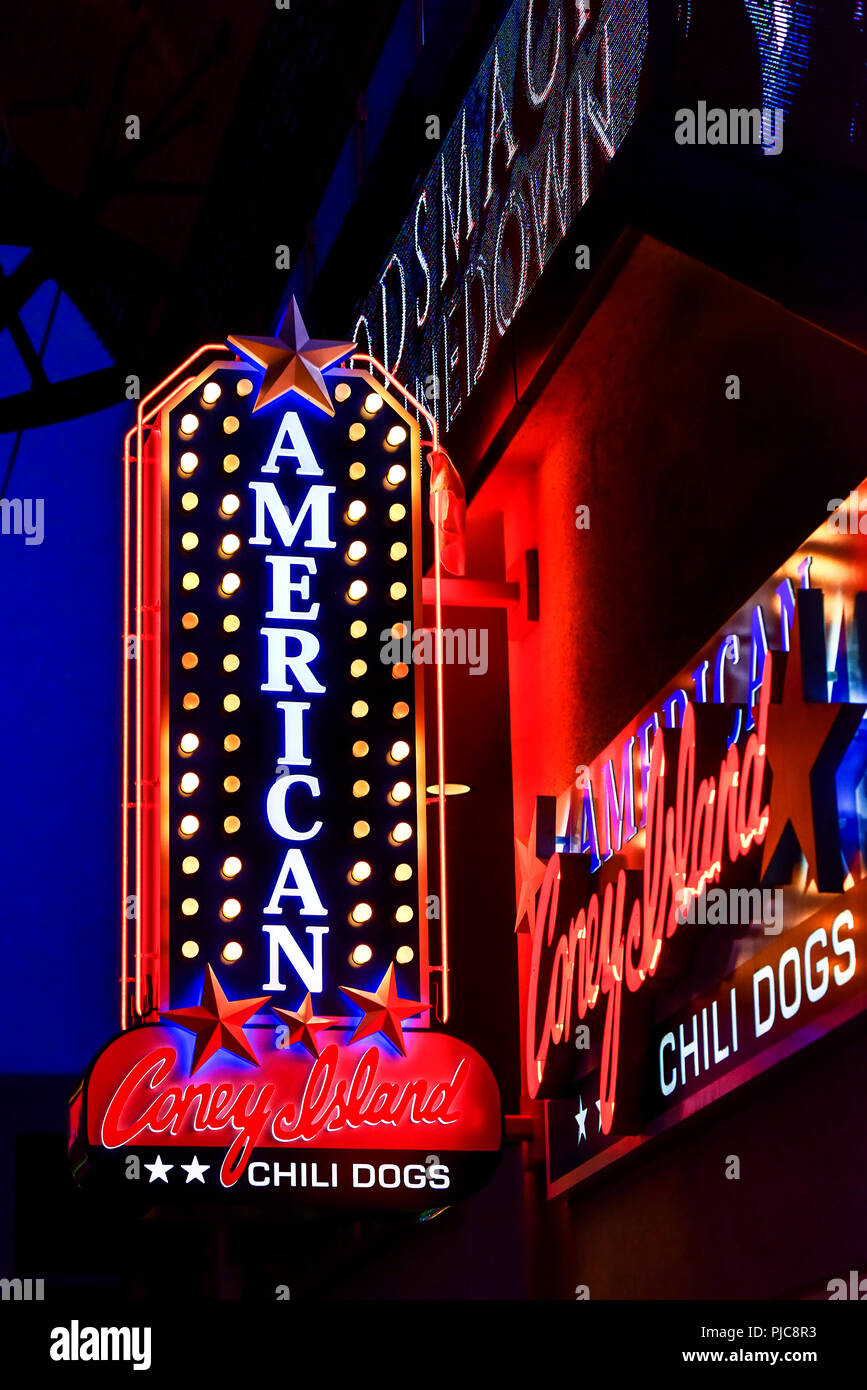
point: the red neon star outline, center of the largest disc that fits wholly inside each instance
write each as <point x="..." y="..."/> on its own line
<point x="304" y="1025"/>
<point x="384" y="1011"/>
<point x="217" y="1022"/>
<point x="293" y="361"/>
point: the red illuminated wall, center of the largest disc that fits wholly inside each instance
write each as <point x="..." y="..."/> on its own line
<point x="694" y="500"/>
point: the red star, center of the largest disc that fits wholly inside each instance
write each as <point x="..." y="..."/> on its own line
<point x="529" y="873"/>
<point x="384" y="1011"/>
<point x="806" y="742"/>
<point x="292" y="361"/>
<point x="304" y="1025"/>
<point x="217" y="1022"/>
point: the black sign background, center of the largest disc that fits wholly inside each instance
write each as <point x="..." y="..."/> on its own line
<point x="330" y="732"/>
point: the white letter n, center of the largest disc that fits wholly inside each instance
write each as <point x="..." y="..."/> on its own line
<point x="308" y="971"/>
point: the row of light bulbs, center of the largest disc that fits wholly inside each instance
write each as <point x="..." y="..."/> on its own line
<point x="212" y="391"/>
<point x="188" y="462"/>
<point x="359" y="955"/>
<point x="231" y="583"/>
<point x="400" y="749"/>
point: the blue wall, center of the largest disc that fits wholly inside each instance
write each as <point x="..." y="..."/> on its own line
<point x="60" y="645"/>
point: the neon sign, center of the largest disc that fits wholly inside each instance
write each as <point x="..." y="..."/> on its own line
<point x="621" y="935"/>
<point x="754" y="780"/>
<point x="276" y="983"/>
<point x="551" y="105"/>
<point x="357" y="1126"/>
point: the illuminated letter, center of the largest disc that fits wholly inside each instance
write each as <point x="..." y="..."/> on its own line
<point x="762" y="1025"/>
<point x="498" y="126"/>
<point x="688" y="1049"/>
<point x="538" y="98"/>
<point x="361" y="322"/>
<point x="477" y="271"/>
<point x="786" y="595"/>
<point x="788" y="1010"/>
<point x="291" y="425"/>
<point x="674" y="708"/>
<point x="395" y="261"/>
<point x="283" y="586"/>
<point x="758" y="652"/>
<point x="556" y="182"/>
<point x="666" y="1086"/>
<point x="643" y="734"/>
<point x="815" y="991"/>
<point x="729" y="649"/>
<point x="275" y="810"/>
<point x="514" y="208"/>
<point x="589" y="840"/>
<point x="305" y="889"/>
<point x="845" y="919"/>
<point x="618" y="821"/>
<point x="422" y="260"/>
<point x="293" y="733"/>
<point x="451" y="221"/>
<point x="279" y="661"/>
<point x="595" y="117"/>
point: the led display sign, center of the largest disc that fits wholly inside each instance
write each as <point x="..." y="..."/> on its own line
<point x="276" y="984"/>
<point x="551" y="105"/>
<point x="731" y="811"/>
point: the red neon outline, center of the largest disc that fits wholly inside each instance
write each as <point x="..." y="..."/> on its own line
<point x="138" y="430"/>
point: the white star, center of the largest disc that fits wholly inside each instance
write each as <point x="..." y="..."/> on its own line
<point x="158" y="1170"/>
<point x="195" y="1171"/>
<point x="581" y="1117"/>
<point x="599" y="1110"/>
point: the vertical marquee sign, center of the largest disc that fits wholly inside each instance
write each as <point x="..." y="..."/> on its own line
<point x="293" y="844"/>
<point x="276" y="1008"/>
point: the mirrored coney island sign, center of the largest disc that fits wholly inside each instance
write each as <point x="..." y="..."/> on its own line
<point x="279" y="1034"/>
<point x="704" y="913"/>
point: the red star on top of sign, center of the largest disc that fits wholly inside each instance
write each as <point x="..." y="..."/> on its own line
<point x="293" y="361"/>
<point x="529" y="872"/>
<point x="217" y="1022"/>
<point x="384" y="1011"/>
<point x="304" y="1025"/>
